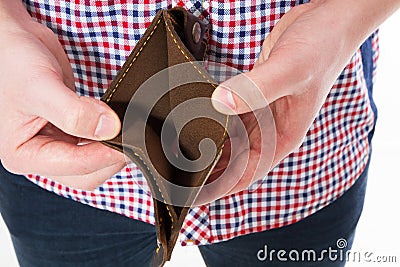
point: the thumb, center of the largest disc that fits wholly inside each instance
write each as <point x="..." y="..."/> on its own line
<point x="253" y="90"/>
<point x="78" y="116"/>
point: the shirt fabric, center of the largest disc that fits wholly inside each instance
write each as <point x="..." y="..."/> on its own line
<point x="98" y="36"/>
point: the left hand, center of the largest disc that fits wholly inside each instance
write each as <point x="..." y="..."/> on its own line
<point x="300" y="60"/>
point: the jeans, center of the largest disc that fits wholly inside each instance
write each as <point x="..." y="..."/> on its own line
<point x="327" y="228"/>
<point x="49" y="230"/>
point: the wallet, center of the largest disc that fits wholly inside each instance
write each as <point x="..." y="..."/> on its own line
<point x="175" y="36"/>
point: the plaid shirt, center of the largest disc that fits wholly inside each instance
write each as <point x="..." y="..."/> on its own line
<point x="97" y="37"/>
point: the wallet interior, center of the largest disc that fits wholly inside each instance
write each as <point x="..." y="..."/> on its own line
<point x="167" y="42"/>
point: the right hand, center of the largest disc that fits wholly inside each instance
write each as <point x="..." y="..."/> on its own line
<point x="42" y="120"/>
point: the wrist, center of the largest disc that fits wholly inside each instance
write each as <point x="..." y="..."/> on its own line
<point x="358" y="19"/>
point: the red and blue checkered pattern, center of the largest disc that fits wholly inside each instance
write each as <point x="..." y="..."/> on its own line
<point x="99" y="35"/>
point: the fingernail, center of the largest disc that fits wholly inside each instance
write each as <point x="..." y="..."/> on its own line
<point x="223" y="101"/>
<point x="106" y="128"/>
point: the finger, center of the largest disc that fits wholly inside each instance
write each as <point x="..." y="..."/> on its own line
<point x="225" y="157"/>
<point x="55" y="133"/>
<point x="47" y="156"/>
<point x="256" y="161"/>
<point x="78" y="116"/>
<point x="256" y="89"/>
<point x="226" y="180"/>
<point x="90" y="181"/>
<point x="235" y="132"/>
<point x="250" y="174"/>
<point x="214" y="176"/>
<point x="222" y="181"/>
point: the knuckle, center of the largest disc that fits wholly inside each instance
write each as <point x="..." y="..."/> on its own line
<point x="73" y="118"/>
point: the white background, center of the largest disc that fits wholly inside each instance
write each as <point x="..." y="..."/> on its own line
<point x="379" y="229"/>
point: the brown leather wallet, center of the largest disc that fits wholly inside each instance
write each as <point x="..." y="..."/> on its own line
<point x="174" y="37"/>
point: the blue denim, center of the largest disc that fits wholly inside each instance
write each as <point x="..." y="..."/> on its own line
<point x="49" y="230"/>
<point x="368" y="68"/>
<point x="317" y="232"/>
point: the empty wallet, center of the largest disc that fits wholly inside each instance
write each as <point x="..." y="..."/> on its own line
<point x="175" y="36"/>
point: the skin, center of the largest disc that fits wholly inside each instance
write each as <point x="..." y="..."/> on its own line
<point x="300" y="60"/>
<point x="43" y="120"/>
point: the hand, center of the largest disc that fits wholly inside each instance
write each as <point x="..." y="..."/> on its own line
<point x="45" y="127"/>
<point x="300" y="60"/>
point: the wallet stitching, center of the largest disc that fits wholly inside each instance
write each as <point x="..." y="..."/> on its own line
<point x="174" y="21"/>
<point x="187" y="58"/>
<point x="109" y="99"/>
<point x="133" y="61"/>
<point x="125" y="73"/>
<point x="208" y="80"/>
<point x="198" y="70"/>
<point x="205" y="49"/>
<point x="158" y="187"/>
